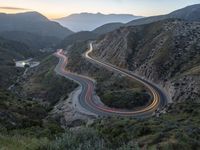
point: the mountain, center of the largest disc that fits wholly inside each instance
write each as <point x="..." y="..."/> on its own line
<point x="189" y="13"/>
<point x="107" y="28"/>
<point x="77" y="37"/>
<point x="89" y="21"/>
<point x="166" y="52"/>
<point x="32" y="22"/>
<point x="32" y="40"/>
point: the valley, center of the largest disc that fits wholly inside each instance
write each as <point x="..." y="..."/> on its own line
<point x="87" y="87"/>
<point x="125" y="85"/>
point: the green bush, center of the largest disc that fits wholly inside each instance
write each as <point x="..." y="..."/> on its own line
<point x="127" y="99"/>
<point x="82" y="139"/>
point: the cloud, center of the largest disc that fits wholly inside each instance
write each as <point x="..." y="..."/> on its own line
<point x="13" y="8"/>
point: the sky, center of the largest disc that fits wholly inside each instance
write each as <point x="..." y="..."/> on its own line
<point x="60" y="8"/>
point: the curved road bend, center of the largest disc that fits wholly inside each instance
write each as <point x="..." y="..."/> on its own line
<point x="87" y="98"/>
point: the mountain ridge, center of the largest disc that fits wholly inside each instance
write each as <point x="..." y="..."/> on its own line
<point x="33" y="22"/>
<point x="107" y="28"/>
<point x="90" y="21"/>
<point x="189" y="13"/>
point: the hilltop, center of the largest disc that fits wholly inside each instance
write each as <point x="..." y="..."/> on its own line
<point x="32" y="22"/>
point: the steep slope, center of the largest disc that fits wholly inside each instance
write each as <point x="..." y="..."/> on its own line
<point x="189" y="13"/>
<point x="166" y="52"/>
<point x="32" y="22"/>
<point x="44" y="85"/>
<point x="88" y="21"/>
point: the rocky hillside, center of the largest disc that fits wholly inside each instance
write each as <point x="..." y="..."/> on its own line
<point x="113" y="89"/>
<point x="166" y="52"/>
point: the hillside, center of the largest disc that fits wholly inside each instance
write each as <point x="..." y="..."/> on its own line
<point x="32" y="22"/>
<point x="10" y="50"/>
<point x="166" y="52"/>
<point x="176" y="129"/>
<point x="77" y="37"/>
<point x="13" y="50"/>
<point x="89" y="21"/>
<point x="189" y="13"/>
<point x="25" y="122"/>
<point x="44" y="85"/>
<point x="24" y="113"/>
<point x="35" y="111"/>
<point x="32" y="40"/>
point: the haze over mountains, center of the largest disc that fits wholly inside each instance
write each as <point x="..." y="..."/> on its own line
<point x="189" y="13"/>
<point x="89" y="21"/>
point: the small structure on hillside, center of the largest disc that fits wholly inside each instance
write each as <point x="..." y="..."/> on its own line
<point x="26" y="63"/>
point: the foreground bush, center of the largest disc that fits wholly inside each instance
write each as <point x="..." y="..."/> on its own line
<point x="84" y="139"/>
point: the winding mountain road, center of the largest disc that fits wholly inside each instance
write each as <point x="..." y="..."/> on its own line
<point x="88" y="100"/>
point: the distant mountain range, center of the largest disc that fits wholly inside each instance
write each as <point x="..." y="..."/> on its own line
<point x="89" y="21"/>
<point x="164" y="49"/>
<point x="36" y="31"/>
<point x="32" y="22"/>
<point x="189" y="13"/>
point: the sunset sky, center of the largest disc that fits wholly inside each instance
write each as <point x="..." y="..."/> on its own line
<point x="59" y="8"/>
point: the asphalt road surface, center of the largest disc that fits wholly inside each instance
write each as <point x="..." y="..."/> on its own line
<point x="88" y="100"/>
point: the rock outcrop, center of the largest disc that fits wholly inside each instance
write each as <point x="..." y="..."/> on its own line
<point x="166" y="52"/>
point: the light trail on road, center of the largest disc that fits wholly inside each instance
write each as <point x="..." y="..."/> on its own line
<point x="87" y="98"/>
